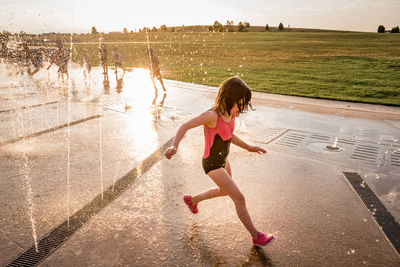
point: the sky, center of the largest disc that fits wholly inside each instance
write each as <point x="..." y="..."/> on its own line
<point x="38" y="16"/>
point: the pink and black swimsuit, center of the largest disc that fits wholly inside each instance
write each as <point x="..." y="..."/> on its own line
<point x="217" y="142"/>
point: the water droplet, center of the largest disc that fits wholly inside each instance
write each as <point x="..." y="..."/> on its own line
<point x="205" y="72"/>
<point x="240" y="66"/>
<point x="352" y="251"/>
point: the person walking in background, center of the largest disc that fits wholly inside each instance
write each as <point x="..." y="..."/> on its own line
<point x="155" y="71"/>
<point x="103" y="58"/>
<point x="117" y="59"/>
<point x="233" y="99"/>
<point x="60" y="57"/>
<point x="37" y="62"/>
<point x="87" y="67"/>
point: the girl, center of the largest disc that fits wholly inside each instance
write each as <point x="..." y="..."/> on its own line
<point x="233" y="99"/>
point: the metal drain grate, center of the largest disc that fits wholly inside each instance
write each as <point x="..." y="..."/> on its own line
<point x="346" y="141"/>
<point x="265" y="135"/>
<point x="366" y="153"/>
<point x="320" y="137"/>
<point x="395" y="157"/>
<point x="291" y="139"/>
<point x="53" y="240"/>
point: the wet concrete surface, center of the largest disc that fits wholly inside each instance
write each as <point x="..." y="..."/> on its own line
<point x="297" y="192"/>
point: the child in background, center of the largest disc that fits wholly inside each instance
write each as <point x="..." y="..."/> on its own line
<point x="155" y="71"/>
<point x="103" y="58"/>
<point x="233" y="99"/>
<point x="117" y="59"/>
<point x="86" y="63"/>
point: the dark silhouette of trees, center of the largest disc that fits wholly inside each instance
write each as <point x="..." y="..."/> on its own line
<point x="381" y="29"/>
<point x="218" y="26"/>
<point x="246" y="24"/>
<point x="280" y="26"/>
<point x="267" y="27"/>
<point x="4" y="36"/>
<point x="395" y="30"/>
<point x="229" y="25"/>
<point x="163" y="28"/>
<point x="94" y="30"/>
<point x="242" y="28"/>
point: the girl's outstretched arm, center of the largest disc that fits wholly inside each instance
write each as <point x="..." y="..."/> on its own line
<point x="240" y="143"/>
<point x="208" y="118"/>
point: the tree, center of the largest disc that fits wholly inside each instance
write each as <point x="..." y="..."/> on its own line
<point x="125" y="30"/>
<point x="280" y="26"/>
<point x="229" y="25"/>
<point x="267" y="27"/>
<point x="218" y="26"/>
<point x="242" y="28"/>
<point x="172" y="29"/>
<point x="154" y="29"/>
<point x="94" y="30"/>
<point x="395" y="30"/>
<point x="246" y="24"/>
<point x="163" y="28"/>
<point x="381" y="29"/>
<point x="4" y="36"/>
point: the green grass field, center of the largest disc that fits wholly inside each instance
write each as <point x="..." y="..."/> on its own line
<point x="363" y="67"/>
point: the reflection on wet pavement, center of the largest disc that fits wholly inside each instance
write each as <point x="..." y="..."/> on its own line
<point x="158" y="226"/>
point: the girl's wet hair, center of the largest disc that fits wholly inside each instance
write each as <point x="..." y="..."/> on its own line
<point x="233" y="91"/>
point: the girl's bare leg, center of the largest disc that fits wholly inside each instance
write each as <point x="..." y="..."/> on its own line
<point x="212" y="192"/>
<point x="225" y="182"/>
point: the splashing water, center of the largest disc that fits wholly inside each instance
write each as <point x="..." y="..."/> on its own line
<point x="29" y="196"/>
<point x="69" y="135"/>
<point x="25" y="171"/>
<point x="334" y="145"/>
<point x="174" y="114"/>
<point x="100" y="139"/>
<point x="240" y="126"/>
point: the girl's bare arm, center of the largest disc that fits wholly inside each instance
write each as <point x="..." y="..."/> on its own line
<point x="240" y="143"/>
<point x="207" y="118"/>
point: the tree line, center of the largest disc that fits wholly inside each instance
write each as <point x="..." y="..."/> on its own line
<point x="216" y="27"/>
<point x="382" y="29"/>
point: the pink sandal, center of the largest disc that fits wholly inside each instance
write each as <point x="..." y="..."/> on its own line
<point x="263" y="239"/>
<point x="188" y="201"/>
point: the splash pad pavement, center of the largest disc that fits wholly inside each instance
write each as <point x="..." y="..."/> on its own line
<point x="83" y="179"/>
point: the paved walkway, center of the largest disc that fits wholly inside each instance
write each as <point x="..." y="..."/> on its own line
<point x="118" y="202"/>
